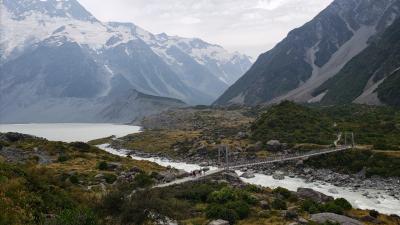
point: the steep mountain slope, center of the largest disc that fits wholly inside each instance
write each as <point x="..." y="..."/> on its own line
<point x="363" y="75"/>
<point x="313" y="53"/>
<point x="56" y="54"/>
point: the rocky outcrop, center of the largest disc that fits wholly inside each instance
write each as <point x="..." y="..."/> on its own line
<point x="13" y="137"/>
<point x="334" y="218"/>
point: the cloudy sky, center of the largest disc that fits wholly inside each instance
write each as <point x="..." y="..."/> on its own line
<point x="248" y="26"/>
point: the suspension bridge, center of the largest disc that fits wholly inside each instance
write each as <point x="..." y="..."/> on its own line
<point x="270" y="160"/>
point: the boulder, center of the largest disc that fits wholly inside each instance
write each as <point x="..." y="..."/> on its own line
<point x="278" y="175"/>
<point x="334" y="218"/>
<point x="333" y="191"/>
<point x="114" y="165"/>
<point x="301" y="220"/>
<point x="204" y="164"/>
<point x="241" y="135"/>
<point x="248" y="175"/>
<point x="258" y="146"/>
<point x="219" y="222"/>
<point x="313" y="195"/>
<point x="167" y="176"/>
<point x="264" y="204"/>
<point x="274" y="145"/>
<point x="181" y="173"/>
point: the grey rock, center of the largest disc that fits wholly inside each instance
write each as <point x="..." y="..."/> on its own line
<point x="248" y="175"/>
<point x="313" y="195"/>
<point x="335" y="218"/>
<point x="99" y="176"/>
<point x="218" y="222"/>
<point x="274" y="145"/>
<point x="265" y="204"/>
<point x="278" y="175"/>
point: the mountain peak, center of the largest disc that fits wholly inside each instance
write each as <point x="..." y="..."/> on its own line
<point x="20" y="9"/>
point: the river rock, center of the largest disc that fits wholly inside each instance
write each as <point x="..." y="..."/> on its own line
<point x="248" y="175"/>
<point x="335" y="218"/>
<point x="204" y="164"/>
<point x="333" y="191"/>
<point x="313" y="195"/>
<point x="218" y="222"/>
<point x="278" y="175"/>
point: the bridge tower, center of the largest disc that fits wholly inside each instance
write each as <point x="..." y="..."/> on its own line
<point x="349" y="135"/>
<point x="223" y="150"/>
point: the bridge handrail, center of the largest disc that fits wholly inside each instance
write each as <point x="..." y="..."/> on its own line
<point x="289" y="157"/>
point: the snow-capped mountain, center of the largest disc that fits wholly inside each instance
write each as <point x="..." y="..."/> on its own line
<point x="312" y="63"/>
<point x="55" y="54"/>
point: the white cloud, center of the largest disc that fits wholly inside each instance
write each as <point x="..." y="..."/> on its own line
<point x="249" y="26"/>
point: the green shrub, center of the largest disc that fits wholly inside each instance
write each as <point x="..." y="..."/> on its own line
<point x="374" y="213"/>
<point x="76" y="217"/>
<point x="278" y="204"/>
<point x="74" y="179"/>
<point x="343" y="203"/>
<point x="80" y="146"/>
<point x="222" y="196"/>
<point x="63" y="158"/>
<point x="310" y="206"/>
<point x="216" y="211"/>
<point x="110" y="178"/>
<point x="198" y="193"/>
<point x="285" y="193"/>
<point x="102" y="165"/>
<point x="143" y="180"/>
<point x="333" y="208"/>
<point x="242" y="209"/>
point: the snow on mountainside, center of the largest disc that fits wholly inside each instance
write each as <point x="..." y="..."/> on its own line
<point x="54" y="52"/>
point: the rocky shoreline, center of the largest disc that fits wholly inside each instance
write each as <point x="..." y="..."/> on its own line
<point x="355" y="182"/>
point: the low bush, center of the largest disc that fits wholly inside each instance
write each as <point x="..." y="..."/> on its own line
<point x="102" y="165"/>
<point x="76" y="217"/>
<point x="278" y="204"/>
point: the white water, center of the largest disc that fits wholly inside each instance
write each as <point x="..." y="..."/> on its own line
<point x="70" y="132"/>
<point x="160" y="161"/>
<point x="380" y="201"/>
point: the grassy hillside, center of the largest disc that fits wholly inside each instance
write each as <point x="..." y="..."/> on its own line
<point x="292" y="123"/>
<point x="44" y="182"/>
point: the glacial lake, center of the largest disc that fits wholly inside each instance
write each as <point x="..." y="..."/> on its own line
<point x="70" y="132"/>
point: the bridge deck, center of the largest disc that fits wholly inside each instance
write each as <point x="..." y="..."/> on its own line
<point x="272" y="160"/>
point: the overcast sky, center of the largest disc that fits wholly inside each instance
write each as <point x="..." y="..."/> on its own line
<point x="248" y="26"/>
